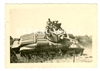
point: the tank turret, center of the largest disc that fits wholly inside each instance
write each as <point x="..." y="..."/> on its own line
<point x="54" y="32"/>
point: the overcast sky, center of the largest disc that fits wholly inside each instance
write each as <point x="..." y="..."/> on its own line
<point x="76" y="19"/>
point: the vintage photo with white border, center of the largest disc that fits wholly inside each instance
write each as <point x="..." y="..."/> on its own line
<point x="51" y="35"/>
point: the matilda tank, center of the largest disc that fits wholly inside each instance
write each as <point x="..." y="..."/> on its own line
<point x="54" y="40"/>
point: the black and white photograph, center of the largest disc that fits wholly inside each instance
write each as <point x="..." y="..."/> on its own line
<point x="51" y="33"/>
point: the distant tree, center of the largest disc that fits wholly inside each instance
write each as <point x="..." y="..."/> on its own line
<point x="11" y="40"/>
<point x="84" y="40"/>
<point x="71" y="36"/>
<point x="13" y="57"/>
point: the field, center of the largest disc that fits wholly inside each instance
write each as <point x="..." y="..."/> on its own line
<point x="84" y="41"/>
<point x="86" y="57"/>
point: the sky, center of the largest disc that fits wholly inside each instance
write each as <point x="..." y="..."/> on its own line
<point x="75" y="18"/>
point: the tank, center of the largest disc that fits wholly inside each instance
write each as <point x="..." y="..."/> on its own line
<point x="54" y="40"/>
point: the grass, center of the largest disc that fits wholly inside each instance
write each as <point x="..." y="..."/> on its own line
<point x="84" y="41"/>
<point x="56" y="59"/>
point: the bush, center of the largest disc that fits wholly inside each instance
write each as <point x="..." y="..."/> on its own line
<point x="84" y="40"/>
